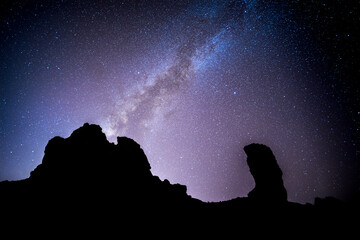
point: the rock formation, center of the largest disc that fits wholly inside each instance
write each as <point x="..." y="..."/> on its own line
<point x="84" y="178"/>
<point x="267" y="174"/>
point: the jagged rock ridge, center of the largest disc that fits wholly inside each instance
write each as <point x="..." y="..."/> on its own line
<point x="86" y="177"/>
<point x="87" y="169"/>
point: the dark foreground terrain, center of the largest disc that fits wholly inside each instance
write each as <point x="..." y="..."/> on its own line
<point x="85" y="180"/>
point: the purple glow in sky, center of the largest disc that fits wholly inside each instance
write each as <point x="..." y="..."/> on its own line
<point x="192" y="82"/>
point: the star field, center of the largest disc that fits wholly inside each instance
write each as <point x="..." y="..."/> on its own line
<point x="192" y="82"/>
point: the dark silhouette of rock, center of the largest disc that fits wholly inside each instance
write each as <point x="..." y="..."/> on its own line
<point x="267" y="174"/>
<point x="86" y="179"/>
<point x="85" y="172"/>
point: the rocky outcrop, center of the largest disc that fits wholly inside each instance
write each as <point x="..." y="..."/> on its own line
<point x="269" y="186"/>
<point x="86" y="171"/>
<point x="84" y="178"/>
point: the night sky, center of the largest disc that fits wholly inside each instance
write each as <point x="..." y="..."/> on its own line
<point x="192" y="82"/>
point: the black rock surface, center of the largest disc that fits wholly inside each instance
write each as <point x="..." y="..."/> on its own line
<point x="84" y="178"/>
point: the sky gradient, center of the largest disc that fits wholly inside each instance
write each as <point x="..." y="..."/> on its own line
<point x="192" y="82"/>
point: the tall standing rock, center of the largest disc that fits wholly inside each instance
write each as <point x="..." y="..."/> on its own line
<point x="267" y="174"/>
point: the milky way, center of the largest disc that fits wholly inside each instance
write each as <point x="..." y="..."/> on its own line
<point x="193" y="82"/>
